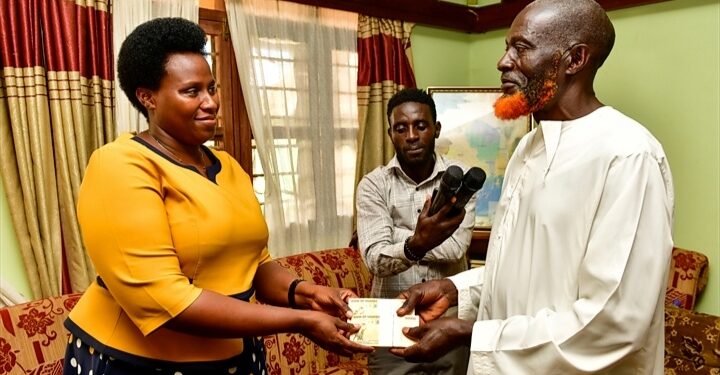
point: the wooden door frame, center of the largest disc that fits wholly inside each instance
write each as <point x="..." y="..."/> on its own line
<point x="237" y="133"/>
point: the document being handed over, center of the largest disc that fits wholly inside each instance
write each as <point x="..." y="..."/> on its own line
<point x="379" y="323"/>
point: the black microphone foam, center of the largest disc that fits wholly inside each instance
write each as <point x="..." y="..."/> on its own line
<point x="449" y="183"/>
<point x="471" y="182"/>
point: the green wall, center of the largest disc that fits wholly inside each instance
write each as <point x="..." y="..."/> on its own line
<point x="12" y="269"/>
<point x="665" y="72"/>
<point x="440" y="57"/>
<point x="674" y="90"/>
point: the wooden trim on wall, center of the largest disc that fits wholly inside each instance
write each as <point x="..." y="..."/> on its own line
<point x="427" y="12"/>
<point x="448" y="15"/>
<point x="236" y="132"/>
<point x="212" y="14"/>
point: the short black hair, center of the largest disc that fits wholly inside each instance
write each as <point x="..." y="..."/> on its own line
<point x="411" y="95"/>
<point x="145" y="51"/>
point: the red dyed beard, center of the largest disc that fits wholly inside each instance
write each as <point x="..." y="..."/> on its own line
<point x="511" y="107"/>
<point x="529" y="99"/>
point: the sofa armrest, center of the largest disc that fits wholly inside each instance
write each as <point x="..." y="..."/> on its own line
<point x="686" y="279"/>
<point x="691" y="341"/>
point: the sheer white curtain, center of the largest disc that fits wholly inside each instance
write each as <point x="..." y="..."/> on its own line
<point x="298" y="69"/>
<point x="127" y="14"/>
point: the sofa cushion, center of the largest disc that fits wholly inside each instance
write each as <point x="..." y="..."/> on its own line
<point x="357" y="366"/>
<point x="54" y="368"/>
<point x="690" y="340"/>
<point x="290" y="353"/>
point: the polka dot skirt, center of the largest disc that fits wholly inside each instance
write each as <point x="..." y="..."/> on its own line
<point x="82" y="359"/>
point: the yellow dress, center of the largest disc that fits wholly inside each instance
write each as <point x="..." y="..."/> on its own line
<point x="158" y="233"/>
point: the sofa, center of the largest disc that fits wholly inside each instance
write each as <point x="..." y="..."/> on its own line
<point x="32" y="338"/>
<point x="692" y="339"/>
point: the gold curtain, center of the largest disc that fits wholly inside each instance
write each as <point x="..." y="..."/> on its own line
<point x="384" y="68"/>
<point x="55" y="109"/>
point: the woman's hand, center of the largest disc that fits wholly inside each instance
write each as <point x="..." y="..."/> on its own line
<point x="329" y="332"/>
<point x="332" y="301"/>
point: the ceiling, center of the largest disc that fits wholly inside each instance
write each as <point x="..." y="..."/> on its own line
<point x="450" y="15"/>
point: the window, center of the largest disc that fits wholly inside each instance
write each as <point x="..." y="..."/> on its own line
<point x="233" y="132"/>
<point x="284" y="80"/>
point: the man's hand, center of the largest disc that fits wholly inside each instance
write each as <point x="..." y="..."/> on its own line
<point x="332" y="301"/>
<point x="435" y="339"/>
<point x="330" y="333"/>
<point x="430" y="299"/>
<point x="431" y="231"/>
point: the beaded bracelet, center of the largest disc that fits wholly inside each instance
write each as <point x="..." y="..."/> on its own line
<point x="409" y="254"/>
<point x="291" y="293"/>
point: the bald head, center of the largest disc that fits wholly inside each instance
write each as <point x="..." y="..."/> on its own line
<point x="570" y="22"/>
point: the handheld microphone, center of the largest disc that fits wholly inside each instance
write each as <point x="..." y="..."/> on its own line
<point x="471" y="182"/>
<point x="450" y="182"/>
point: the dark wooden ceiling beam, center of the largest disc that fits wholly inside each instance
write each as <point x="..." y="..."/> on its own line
<point x="501" y="15"/>
<point x="448" y="15"/>
<point x="425" y="12"/>
<point x="619" y="4"/>
<point x="498" y="16"/>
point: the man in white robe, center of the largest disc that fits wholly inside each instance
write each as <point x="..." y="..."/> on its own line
<point x="578" y="256"/>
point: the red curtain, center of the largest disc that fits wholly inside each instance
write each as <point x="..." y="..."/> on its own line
<point x="383" y="47"/>
<point x="384" y="68"/>
<point x="56" y="96"/>
<point x="71" y="37"/>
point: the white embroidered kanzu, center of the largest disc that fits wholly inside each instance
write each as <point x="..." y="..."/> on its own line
<point x="578" y="256"/>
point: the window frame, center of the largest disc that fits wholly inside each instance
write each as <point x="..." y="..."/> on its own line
<point x="236" y="133"/>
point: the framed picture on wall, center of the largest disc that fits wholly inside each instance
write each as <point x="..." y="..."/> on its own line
<point x="472" y="134"/>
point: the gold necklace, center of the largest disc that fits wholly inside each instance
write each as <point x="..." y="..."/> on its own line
<point x="174" y="155"/>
